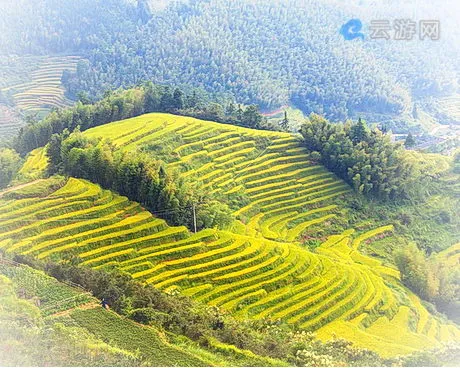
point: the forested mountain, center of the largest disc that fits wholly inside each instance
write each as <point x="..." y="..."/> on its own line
<point x="266" y="52"/>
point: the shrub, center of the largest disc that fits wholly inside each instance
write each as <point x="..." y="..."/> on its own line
<point x="148" y="316"/>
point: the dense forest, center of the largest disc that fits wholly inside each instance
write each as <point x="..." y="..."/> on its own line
<point x="367" y="159"/>
<point x="270" y="56"/>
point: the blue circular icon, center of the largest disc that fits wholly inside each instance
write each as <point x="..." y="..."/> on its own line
<point x="351" y="29"/>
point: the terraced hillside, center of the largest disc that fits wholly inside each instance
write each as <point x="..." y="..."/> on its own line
<point x="43" y="89"/>
<point x="34" y="166"/>
<point x="335" y="290"/>
<point x="451" y="255"/>
<point x="34" y="296"/>
<point x="10" y="122"/>
<point x="254" y="269"/>
<point x="285" y="193"/>
<point x="450" y="107"/>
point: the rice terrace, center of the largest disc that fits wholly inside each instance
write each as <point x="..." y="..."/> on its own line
<point x="44" y="89"/>
<point x="255" y="268"/>
<point x="214" y="183"/>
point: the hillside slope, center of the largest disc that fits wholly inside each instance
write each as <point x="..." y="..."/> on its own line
<point x="262" y="52"/>
<point x="254" y="269"/>
<point x="38" y="310"/>
<point x="70" y="322"/>
<point x="31" y="86"/>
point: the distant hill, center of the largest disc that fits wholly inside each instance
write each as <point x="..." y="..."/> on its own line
<point x="293" y="253"/>
<point x="267" y="52"/>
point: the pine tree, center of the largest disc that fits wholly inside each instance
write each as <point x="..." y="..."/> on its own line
<point x="239" y="113"/>
<point x="284" y="124"/>
<point x="384" y="128"/>
<point x="178" y="99"/>
<point x="410" y="141"/>
<point x="83" y="97"/>
<point x="359" y="132"/>
<point x="230" y="109"/>
<point x="251" y="117"/>
<point x="166" y="100"/>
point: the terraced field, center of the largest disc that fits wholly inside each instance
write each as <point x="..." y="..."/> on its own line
<point x="43" y="90"/>
<point x="34" y="166"/>
<point x="287" y="194"/>
<point x="10" y="122"/>
<point x="451" y="107"/>
<point x="451" y="255"/>
<point x="255" y="269"/>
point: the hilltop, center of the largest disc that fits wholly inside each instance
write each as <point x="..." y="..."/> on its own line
<point x="294" y="249"/>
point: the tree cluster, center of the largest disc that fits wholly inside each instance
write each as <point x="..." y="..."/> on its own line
<point x="180" y="315"/>
<point x="261" y="52"/>
<point x="10" y="163"/>
<point x="27" y="339"/>
<point x="138" y="176"/>
<point x="365" y="158"/>
<point x="431" y="279"/>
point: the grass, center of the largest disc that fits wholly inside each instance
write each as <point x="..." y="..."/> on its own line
<point x="51" y="295"/>
<point x="146" y="340"/>
<point x="35" y="165"/>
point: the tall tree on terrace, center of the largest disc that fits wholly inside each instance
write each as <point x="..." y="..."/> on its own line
<point x="284" y="124"/>
<point x="251" y="117"/>
<point x="178" y="99"/>
<point x="359" y="132"/>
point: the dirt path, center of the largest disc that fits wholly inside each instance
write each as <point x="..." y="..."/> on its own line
<point x="20" y="186"/>
<point x="89" y="305"/>
<point x="275" y="112"/>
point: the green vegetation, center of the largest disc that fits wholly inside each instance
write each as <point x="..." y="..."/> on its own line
<point x="235" y="266"/>
<point x="297" y="250"/>
<point x="368" y="160"/>
<point x="219" y="268"/>
<point x="215" y="243"/>
<point x="124" y="104"/>
<point x="26" y="338"/>
<point x="139" y="178"/>
<point x="30" y="88"/>
<point x="46" y="292"/>
<point x="432" y="278"/>
<point x="10" y="164"/>
<point x="35" y="166"/>
<point x="166" y="317"/>
<point x="43" y="90"/>
<point x="10" y="124"/>
<point x="107" y="326"/>
<point x="269" y="56"/>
